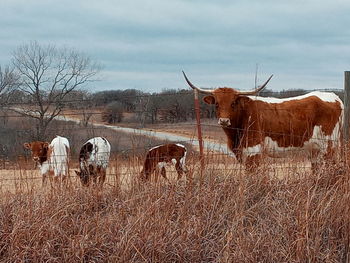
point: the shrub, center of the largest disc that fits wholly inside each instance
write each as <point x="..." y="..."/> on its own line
<point x="113" y="112"/>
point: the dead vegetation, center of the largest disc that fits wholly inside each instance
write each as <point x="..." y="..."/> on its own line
<point x="223" y="216"/>
<point x="280" y="213"/>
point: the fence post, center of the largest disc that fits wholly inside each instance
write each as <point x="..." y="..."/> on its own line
<point x="346" y="105"/>
<point x="199" y="128"/>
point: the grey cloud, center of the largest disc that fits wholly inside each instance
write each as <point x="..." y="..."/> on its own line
<point x="146" y="44"/>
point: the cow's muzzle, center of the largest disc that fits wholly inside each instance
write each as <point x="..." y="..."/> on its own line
<point x="224" y="122"/>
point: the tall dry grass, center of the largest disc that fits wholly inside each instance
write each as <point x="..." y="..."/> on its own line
<point x="225" y="217"/>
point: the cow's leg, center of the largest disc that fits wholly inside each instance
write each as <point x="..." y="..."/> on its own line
<point x="160" y="169"/>
<point x="315" y="166"/>
<point x="57" y="178"/>
<point x="87" y="178"/>
<point x="52" y="180"/>
<point x="102" y="177"/>
<point x="45" y="172"/>
<point x="179" y="169"/>
<point x="252" y="163"/>
<point x="236" y="151"/>
<point x="98" y="175"/>
<point x="43" y="180"/>
<point x="148" y="172"/>
<point x="182" y="166"/>
<point x="331" y="157"/>
<point x="94" y="178"/>
<point x="65" y="180"/>
<point x="51" y="183"/>
<point x="93" y="173"/>
<point x="146" y="175"/>
<point x="60" y="177"/>
<point x="156" y="174"/>
<point x="326" y="159"/>
<point x="163" y="172"/>
<point x="66" y="176"/>
<point x="316" y="160"/>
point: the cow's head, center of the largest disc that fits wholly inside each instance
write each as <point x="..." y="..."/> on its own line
<point x="84" y="177"/>
<point x="86" y="173"/>
<point x="39" y="150"/>
<point x="226" y="100"/>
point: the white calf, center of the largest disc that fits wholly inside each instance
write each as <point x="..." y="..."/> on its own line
<point x="51" y="158"/>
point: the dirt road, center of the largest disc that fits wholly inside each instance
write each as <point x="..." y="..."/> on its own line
<point x="208" y="145"/>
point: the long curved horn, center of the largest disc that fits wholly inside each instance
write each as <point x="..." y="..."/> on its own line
<point x="253" y="92"/>
<point x="206" y="91"/>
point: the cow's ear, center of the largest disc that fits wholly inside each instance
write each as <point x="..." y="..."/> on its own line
<point x="46" y="145"/>
<point x="26" y="145"/>
<point x="209" y="99"/>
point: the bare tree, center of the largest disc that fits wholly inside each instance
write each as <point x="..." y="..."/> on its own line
<point x="82" y="101"/>
<point x="48" y="74"/>
<point x="8" y="82"/>
<point x="113" y="112"/>
<point x="142" y="109"/>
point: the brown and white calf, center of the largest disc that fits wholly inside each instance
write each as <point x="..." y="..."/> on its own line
<point x="52" y="159"/>
<point x="94" y="159"/>
<point x="157" y="158"/>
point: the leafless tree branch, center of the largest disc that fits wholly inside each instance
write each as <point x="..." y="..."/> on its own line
<point x="9" y="81"/>
<point x="48" y="74"/>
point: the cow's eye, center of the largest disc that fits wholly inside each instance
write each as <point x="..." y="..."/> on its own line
<point x="217" y="105"/>
<point x="233" y="104"/>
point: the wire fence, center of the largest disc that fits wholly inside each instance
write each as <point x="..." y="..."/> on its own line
<point x="131" y="169"/>
<point x="163" y="94"/>
<point x="131" y="166"/>
<point x="219" y="153"/>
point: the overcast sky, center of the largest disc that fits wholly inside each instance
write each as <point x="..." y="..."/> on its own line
<point x="146" y="44"/>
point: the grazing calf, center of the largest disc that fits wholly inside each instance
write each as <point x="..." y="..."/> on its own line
<point x="158" y="156"/>
<point x="94" y="159"/>
<point x="51" y="158"/>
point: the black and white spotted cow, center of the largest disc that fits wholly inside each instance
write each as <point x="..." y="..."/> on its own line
<point x="94" y="159"/>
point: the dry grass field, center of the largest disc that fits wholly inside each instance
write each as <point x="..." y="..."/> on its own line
<point x="280" y="213"/>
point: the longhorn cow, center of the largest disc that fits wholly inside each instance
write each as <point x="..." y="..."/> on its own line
<point x="311" y="123"/>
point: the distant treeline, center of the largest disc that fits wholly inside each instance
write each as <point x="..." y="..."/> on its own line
<point x="149" y="108"/>
<point x="166" y="106"/>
